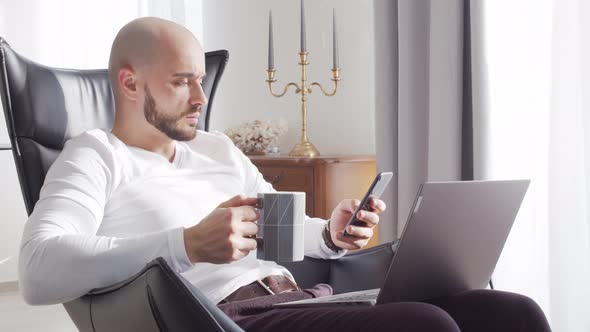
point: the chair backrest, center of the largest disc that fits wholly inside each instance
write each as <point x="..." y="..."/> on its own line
<point x="45" y="107"/>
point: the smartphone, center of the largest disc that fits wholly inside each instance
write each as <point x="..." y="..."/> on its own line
<point x="375" y="190"/>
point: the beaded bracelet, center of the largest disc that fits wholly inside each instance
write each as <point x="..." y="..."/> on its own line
<point x="328" y="239"/>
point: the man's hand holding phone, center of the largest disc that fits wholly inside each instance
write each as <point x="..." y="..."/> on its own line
<point x="357" y="235"/>
<point x="352" y="221"/>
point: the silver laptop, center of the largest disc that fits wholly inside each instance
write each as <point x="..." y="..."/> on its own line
<point x="451" y="243"/>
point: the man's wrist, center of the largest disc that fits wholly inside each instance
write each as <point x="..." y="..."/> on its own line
<point x="179" y="259"/>
<point x="188" y="246"/>
<point x="327" y="236"/>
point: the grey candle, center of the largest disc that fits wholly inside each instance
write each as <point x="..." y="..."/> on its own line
<point x="303" y="40"/>
<point x="271" y="51"/>
<point x="335" y="40"/>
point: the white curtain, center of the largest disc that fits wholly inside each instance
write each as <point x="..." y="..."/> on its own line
<point x="537" y="126"/>
<point x="429" y="97"/>
<point x="79" y="33"/>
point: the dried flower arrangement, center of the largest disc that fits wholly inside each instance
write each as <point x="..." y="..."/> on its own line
<point x="257" y="136"/>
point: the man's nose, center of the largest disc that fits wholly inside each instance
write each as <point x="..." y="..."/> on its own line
<point x="198" y="96"/>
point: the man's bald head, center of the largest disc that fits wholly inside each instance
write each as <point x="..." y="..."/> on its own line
<point x="156" y="69"/>
<point x="145" y="42"/>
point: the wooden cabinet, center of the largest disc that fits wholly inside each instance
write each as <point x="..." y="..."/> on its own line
<point x="326" y="180"/>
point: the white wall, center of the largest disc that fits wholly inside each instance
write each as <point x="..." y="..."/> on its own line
<point x="12" y="218"/>
<point x="343" y="124"/>
<point x="13" y="215"/>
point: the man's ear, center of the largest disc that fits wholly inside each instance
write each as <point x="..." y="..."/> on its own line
<point x="127" y="83"/>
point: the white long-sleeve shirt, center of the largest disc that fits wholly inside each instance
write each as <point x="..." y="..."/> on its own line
<point x="106" y="209"/>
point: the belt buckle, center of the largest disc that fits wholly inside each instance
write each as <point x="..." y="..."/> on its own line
<point x="265" y="286"/>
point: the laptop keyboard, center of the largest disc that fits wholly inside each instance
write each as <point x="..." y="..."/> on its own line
<point x="360" y="296"/>
<point x="352" y="297"/>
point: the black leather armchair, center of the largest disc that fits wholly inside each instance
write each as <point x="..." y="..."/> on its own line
<point x="44" y="107"/>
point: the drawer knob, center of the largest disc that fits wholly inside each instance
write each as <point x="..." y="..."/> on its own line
<point x="273" y="179"/>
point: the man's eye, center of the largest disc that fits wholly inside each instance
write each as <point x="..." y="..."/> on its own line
<point x="181" y="83"/>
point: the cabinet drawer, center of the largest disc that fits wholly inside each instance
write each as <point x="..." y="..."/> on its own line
<point x="288" y="178"/>
<point x="292" y="179"/>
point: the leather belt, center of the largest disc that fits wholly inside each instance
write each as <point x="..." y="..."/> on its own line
<point x="271" y="285"/>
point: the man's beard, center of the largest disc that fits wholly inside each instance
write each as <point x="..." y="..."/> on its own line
<point x="168" y="124"/>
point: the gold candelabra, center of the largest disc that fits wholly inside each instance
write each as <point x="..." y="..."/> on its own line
<point x="304" y="148"/>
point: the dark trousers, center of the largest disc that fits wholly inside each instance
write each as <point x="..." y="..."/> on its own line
<point x="477" y="310"/>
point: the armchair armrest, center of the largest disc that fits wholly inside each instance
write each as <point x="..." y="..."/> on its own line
<point x="360" y="270"/>
<point x="155" y="299"/>
<point x="309" y="271"/>
<point x="363" y="269"/>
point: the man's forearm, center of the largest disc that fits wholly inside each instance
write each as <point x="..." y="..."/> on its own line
<point x="315" y="245"/>
<point x="61" y="258"/>
<point x="62" y="268"/>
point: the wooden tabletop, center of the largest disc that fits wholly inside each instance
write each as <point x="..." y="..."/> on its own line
<point x="322" y="159"/>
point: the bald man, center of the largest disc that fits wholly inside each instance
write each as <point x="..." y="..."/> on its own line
<point x="156" y="186"/>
